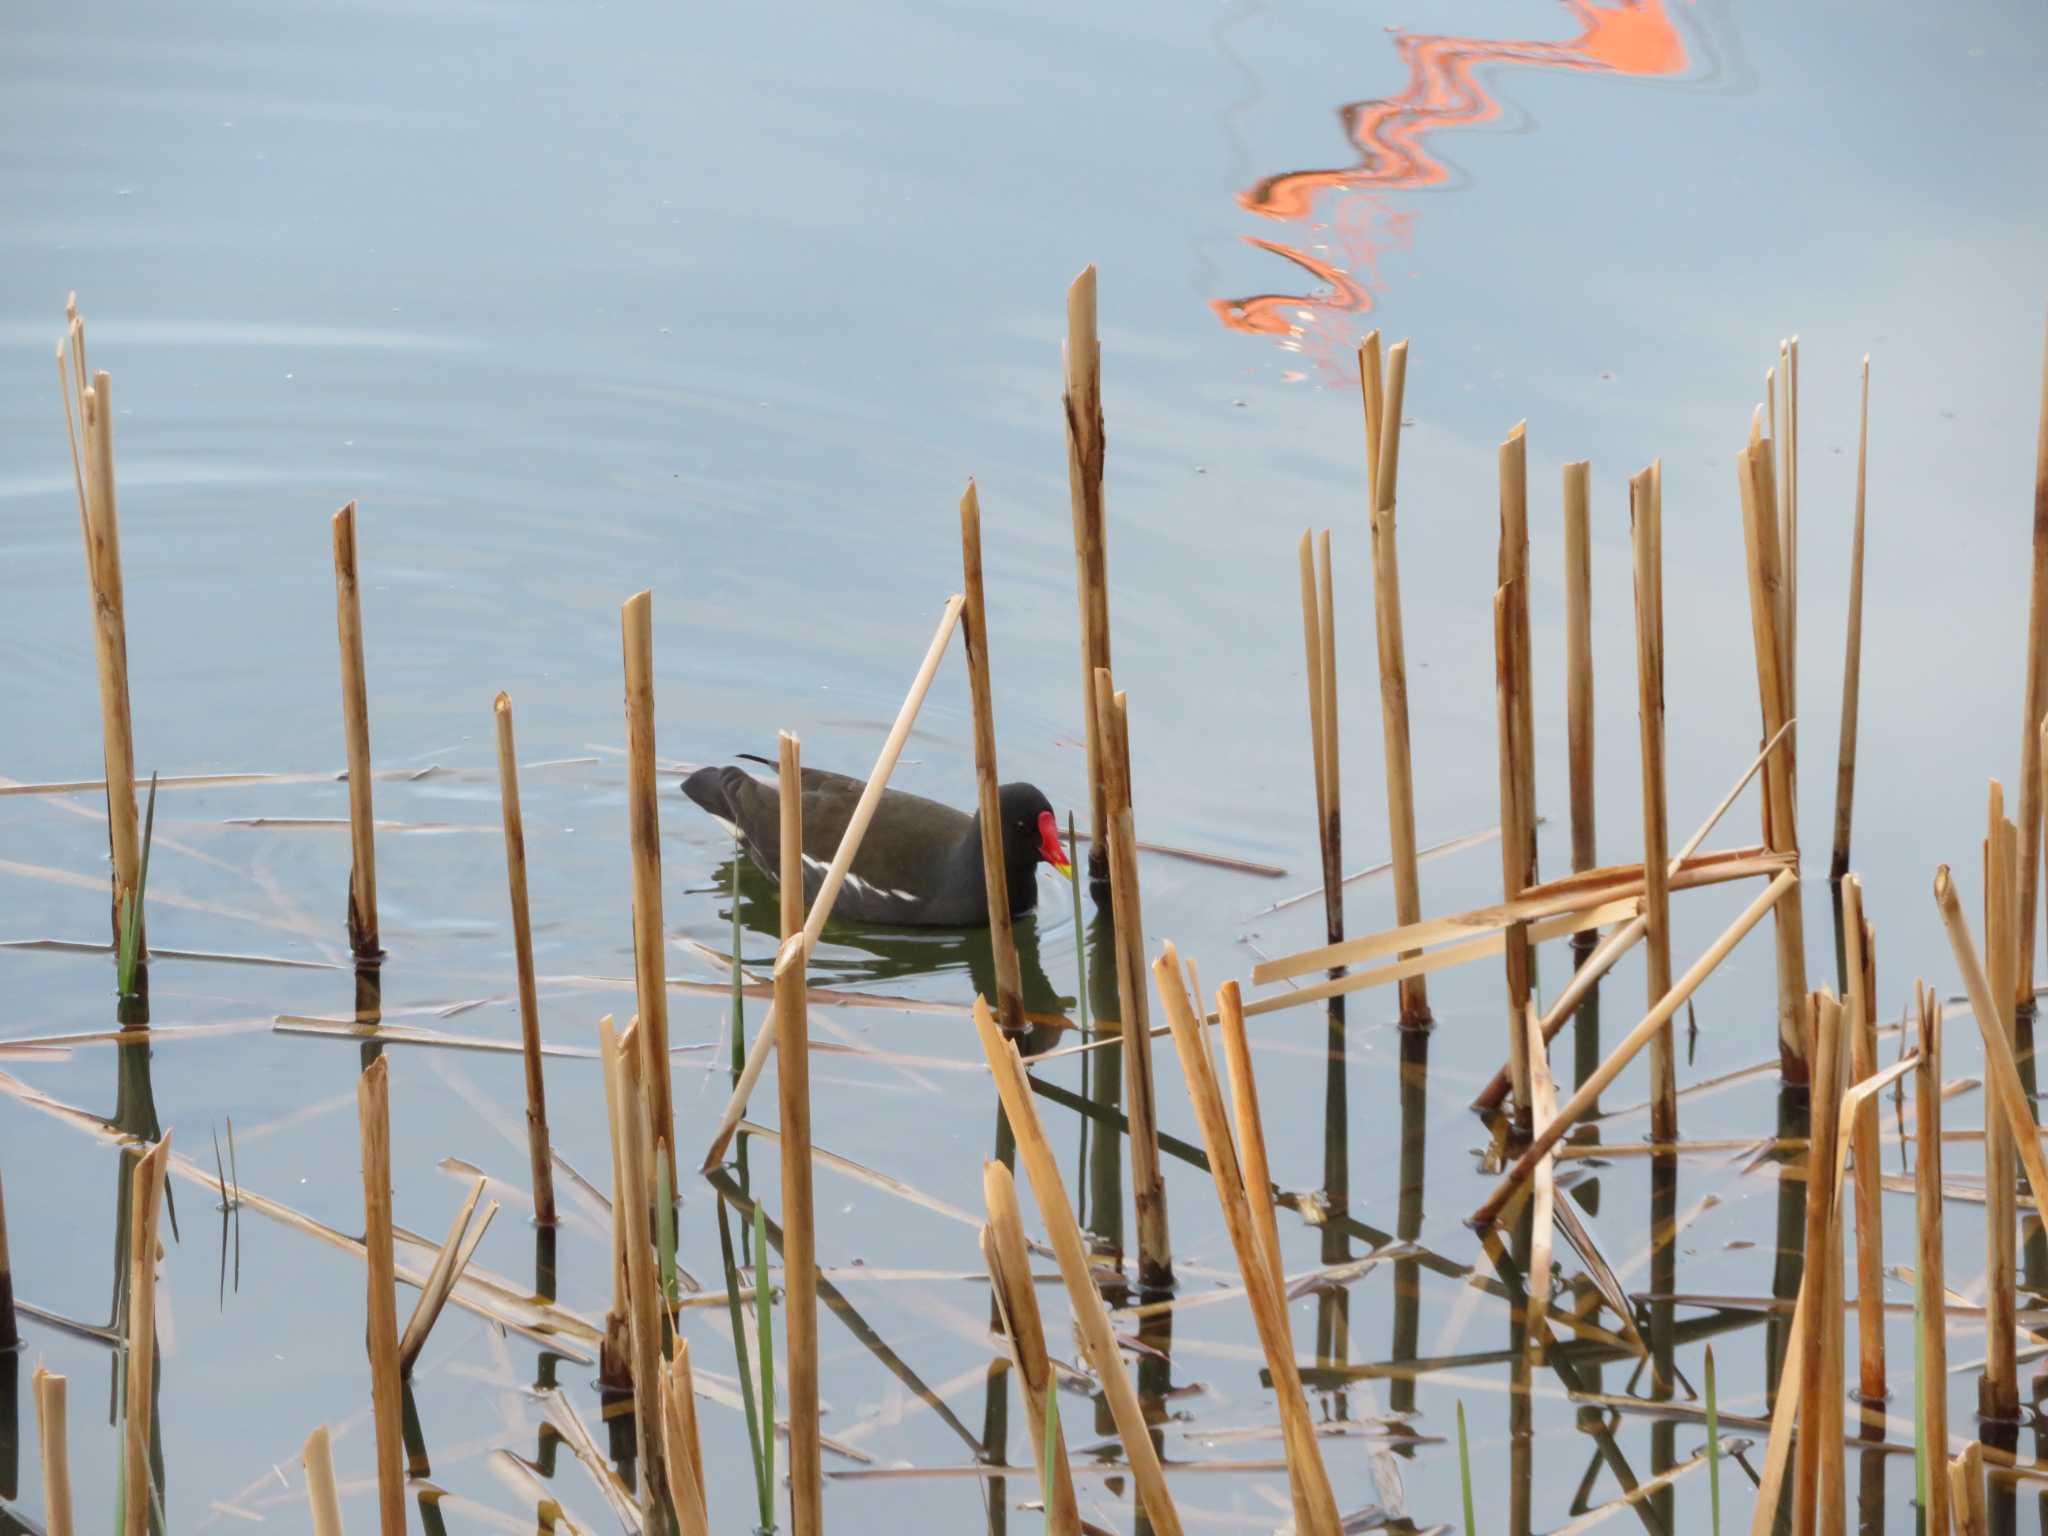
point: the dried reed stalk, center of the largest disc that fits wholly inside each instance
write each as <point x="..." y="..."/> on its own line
<point x="1862" y="1027"/>
<point x="1091" y="1318"/>
<point x="974" y="631"/>
<point x="373" y="1120"/>
<point x="643" y="818"/>
<point x="799" y="1226"/>
<point x="10" y="1332"/>
<point x="1509" y="687"/>
<point x="1312" y="648"/>
<point x="1588" y="1092"/>
<point x="1319" y="629"/>
<point x="1513" y="566"/>
<point x="2033" y="764"/>
<point x="53" y="1433"/>
<point x="355" y="722"/>
<point x="538" y="1156"/>
<point x="1141" y="1107"/>
<point x="1578" y="648"/>
<point x="1852" y="649"/>
<point x="1646" y="527"/>
<point x="644" y="1310"/>
<point x="1788" y="516"/>
<point x="1543" y="1187"/>
<point x="317" y="1457"/>
<point x="1082" y="402"/>
<point x="615" y="1353"/>
<point x="685" y="1453"/>
<point x="1966" y="1491"/>
<point x="1928" y="1279"/>
<point x="842" y="860"/>
<point x="145" y="1204"/>
<point x="1824" y="1016"/>
<point x="1385" y="464"/>
<point x="449" y="1263"/>
<point x="1251" y="1130"/>
<point x="1316" y="1504"/>
<point x="1781" y="831"/>
<point x="1009" y="1271"/>
<point x="1372" y="388"/>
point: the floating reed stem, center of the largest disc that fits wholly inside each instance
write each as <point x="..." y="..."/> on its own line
<point x="538" y="1154"/>
<point x="53" y="1433"/>
<point x="643" y="815"/>
<point x="1852" y="650"/>
<point x="2032" y="762"/>
<point x="317" y="1457"/>
<point x="453" y="1258"/>
<point x="355" y="722"/>
<point x="1588" y="1092"/>
<point x="1316" y="1504"/>
<point x="1928" y="1278"/>
<point x="1091" y="1318"/>
<point x="373" y="1119"/>
<point x="145" y="1203"/>
<point x="1578" y="648"/>
<point x="835" y="876"/>
<point x="1646" y="527"/>
<point x="1148" y="1183"/>
<point x="799" y="1240"/>
<point x="1862" y="1027"/>
<point x="1384" y="447"/>
<point x="974" y="631"/>
<point x="1082" y="401"/>
<point x="1508" y="688"/>
<point x="1781" y="830"/>
<point x="684" y="1450"/>
<point x="1009" y="1271"/>
<point x="644" y="1310"/>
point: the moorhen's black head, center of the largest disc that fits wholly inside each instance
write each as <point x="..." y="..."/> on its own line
<point x="1030" y="836"/>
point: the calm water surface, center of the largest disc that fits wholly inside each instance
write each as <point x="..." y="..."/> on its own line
<point x="730" y="302"/>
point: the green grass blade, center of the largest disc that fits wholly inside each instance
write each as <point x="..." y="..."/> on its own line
<point x="764" y="1325"/>
<point x="1052" y="1436"/>
<point x="665" y="1231"/>
<point x="739" y="1350"/>
<point x="131" y="909"/>
<point x="1465" y="1471"/>
<point x="1713" y="1442"/>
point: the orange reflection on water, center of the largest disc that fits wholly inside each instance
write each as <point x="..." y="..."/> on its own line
<point x="1623" y="37"/>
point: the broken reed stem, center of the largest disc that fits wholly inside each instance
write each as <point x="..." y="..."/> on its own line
<point x="1966" y="1491"/>
<point x="842" y="860"/>
<point x="1258" y="1265"/>
<point x="145" y="1202"/>
<point x="1928" y="1278"/>
<point x="1578" y="646"/>
<point x="1862" y="1027"/>
<point x="1588" y="1092"/>
<point x="643" y="819"/>
<point x="1393" y="659"/>
<point x="539" y="1157"/>
<point x="1646" y="529"/>
<point x="1332" y="828"/>
<point x="1312" y="647"/>
<point x="1251" y="1130"/>
<point x="685" y="1453"/>
<point x="53" y="1434"/>
<point x="1372" y="393"/>
<point x="317" y="1457"/>
<point x="644" y="1310"/>
<point x="1543" y="1106"/>
<point x="1513" y="561"/>
<point x="1824" y="1017"/>
<point x="1009" y="1271"/>
<point x="974" y="631"/>
<point x="1082" y="402"/>
<point x="1788" y="511"/>
<point x="1148" y="1182"/>
<point x="1781" y="831"/>
<point x="1091" y="1318"/>
<point x="1515" y="941"/>
<point x="449" y="1263"/>
<point x="799" y="1242"/>
<point x="615" y="1354"/>
<point x="373" y="1121"/>
<point x="1852" y="649"/>
<point x="355" y="722"/>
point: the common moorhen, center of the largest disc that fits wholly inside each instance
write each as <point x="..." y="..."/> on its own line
<point x="920" y="862"/>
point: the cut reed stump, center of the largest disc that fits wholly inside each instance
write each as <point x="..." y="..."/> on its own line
<point x="145" y="1203"/>
<point x="1009" y="1271"/>
<point x="1509" y="687"/>
<point x="1966" y="1491"/>
<point x="636" y="626"/>
<point x="974" y="632"/>
<point x="539" y="1157"/>
<point x="615" y="1365"/>
<point x="1318" y="623"/>
<point x="1578" y="648"/>
<point x="1646" y="527"/>
<point x="1513" y="569"/>
<point x="1082" y="401"/>
<point x="1148" y="1183"/>
<point x="317" y="1457"/>
<point x="373" y="1119"/>
<point x="799" y="1241"/>
<point x="1091" y="1318"/>
<point x="53" y="1433"/>
<point x="1852" y="649"/>
<point x="355" y="722"/>
<point x="1383" y="406"/>
<point x="835" y="876"/>
<point x="635" y="1196"/>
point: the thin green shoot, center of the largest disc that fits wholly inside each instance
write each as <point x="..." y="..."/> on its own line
<point x="764" y="1327"/>
<point x="1713" y="1442"/>
<point x="1465" y="1471"/>
<point x="665" y="1232"/>
<point x="1052" y="1437"/>
<point x="746" y="1370"/>
<point x="131" y="909"/>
